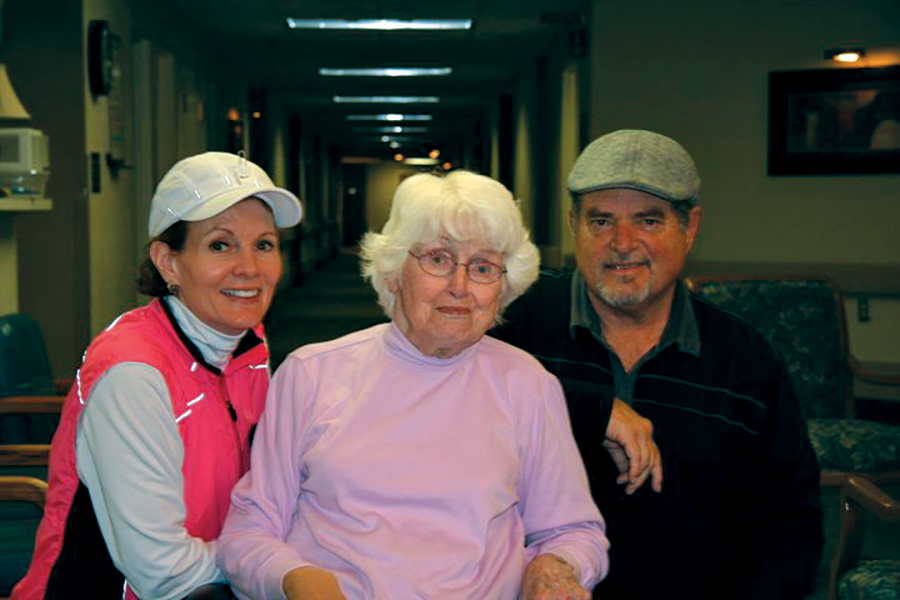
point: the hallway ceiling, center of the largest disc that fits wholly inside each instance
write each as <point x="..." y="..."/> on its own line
<point x="506" y="39"/>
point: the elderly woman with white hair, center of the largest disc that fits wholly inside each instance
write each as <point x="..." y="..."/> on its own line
<point x="421" y="458"/>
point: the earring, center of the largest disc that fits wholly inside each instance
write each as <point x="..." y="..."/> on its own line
<point x="173" y="288"/>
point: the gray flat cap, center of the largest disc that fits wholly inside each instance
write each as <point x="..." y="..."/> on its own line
<point x="639" y="160"/>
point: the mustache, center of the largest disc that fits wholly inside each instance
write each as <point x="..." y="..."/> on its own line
<point x="617" y="261"/>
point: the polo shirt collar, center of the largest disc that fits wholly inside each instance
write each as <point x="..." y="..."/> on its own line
<point x="681" y="329"/>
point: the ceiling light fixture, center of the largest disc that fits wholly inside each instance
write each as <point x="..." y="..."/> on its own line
<point x="388" y="72"/>
<point x="389" y="117"/>
<point x="395" y="129"/>
<point x="386" y="99"/>
<point x="847" y="55"/>
<point x="382" y="24"/>
<point x="389" y="138"/>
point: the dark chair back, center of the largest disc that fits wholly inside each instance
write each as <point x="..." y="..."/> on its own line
<point x="803" y="318"/>
<point x="24" y="371"/>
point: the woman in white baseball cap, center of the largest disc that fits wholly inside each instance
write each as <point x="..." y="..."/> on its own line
<point x="157" y="428"/>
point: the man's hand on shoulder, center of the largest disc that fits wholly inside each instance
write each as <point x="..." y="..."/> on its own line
<point x="629" y="440"/>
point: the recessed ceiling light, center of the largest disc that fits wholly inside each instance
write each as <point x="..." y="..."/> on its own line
<point x="387" y="72"/>
<point x="381" y="24"/>
<point x="386" y="99"/>
<point x="389" y="117"/>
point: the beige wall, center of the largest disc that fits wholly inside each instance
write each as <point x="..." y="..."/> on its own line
<point x="381" y="182"/>
<point x="569" y="148"/>
<point x="111" y="211"/>
<point x="523" y="169"/>
<point x="698" y="73"/>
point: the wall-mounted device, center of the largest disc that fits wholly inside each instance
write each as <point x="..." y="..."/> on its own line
<point x="24" y="162"/>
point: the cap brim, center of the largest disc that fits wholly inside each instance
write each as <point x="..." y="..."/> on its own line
<point x="286" y="207"/>
<point x="633" y="185"/>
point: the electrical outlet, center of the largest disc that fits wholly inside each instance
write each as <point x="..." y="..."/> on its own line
<point x="862" y="309"/>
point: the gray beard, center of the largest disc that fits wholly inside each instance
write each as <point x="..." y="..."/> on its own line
<point x="622" y="299"/>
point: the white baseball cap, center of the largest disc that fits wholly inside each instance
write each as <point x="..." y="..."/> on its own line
<point x="202" y="186"/>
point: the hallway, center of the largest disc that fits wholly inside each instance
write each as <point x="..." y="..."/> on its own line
<point x="331" y="301"/>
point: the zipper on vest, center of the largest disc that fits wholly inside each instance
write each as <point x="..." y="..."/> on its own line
<point x="231" y="410"/>
<point x="223" y="391"/>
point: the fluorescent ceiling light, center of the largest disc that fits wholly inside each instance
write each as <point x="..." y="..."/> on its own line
<point x="389" y="72"/>
<point x="400" y="129"/>
<point x="421" y="161"/>
<point x="392" y="138"/>
<point x="386" y="99"/>
<point x="391" y="130"/>
<point x="381" y="24"/>
<point x="389" y="117"/>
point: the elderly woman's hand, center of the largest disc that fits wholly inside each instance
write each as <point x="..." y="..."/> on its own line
<point x="548" y="577"/>
<point x="311" y="583"/>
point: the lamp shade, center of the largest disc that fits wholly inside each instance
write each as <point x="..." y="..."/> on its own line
<point x="10" y="106"/>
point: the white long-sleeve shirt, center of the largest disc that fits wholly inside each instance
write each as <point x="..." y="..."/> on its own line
<point x="129" y="455"/>
<point x="409" y="476"/>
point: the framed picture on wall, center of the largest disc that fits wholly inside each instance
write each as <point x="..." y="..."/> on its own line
<point x="834" y="121"/>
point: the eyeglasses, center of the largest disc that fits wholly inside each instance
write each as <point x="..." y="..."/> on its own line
<point x="441" y="264"/>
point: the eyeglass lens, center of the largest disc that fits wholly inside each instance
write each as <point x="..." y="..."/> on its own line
<point x="441" y="264"/>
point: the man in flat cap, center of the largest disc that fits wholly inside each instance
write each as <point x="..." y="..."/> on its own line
<point x="664" y="387"/>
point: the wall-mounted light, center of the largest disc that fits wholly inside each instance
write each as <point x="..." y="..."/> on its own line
<point x="845" y="55"/>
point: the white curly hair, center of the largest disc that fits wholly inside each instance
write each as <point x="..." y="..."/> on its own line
<point x="462" y="205"/>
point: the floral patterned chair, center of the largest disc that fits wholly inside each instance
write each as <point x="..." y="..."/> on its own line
<point x="803" y="318"/>
<point x="868" y="579"/>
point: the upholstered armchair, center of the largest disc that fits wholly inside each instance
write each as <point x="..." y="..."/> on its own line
<point x="803" y="318"/>
<point x="876" y="578"/>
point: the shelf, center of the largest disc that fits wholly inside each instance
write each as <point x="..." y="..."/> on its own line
<point x="25" y="204"/>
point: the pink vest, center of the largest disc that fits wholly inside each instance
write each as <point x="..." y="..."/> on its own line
<point x="216" y="445"/>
